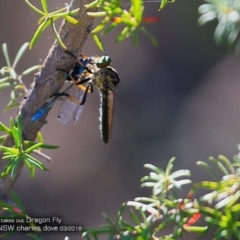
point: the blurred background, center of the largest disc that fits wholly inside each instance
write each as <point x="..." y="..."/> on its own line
<point x="180" y="99"/>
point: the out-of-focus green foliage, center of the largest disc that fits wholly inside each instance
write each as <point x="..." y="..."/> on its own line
<point x="20" y="153"/>
<point x="12" y="79"/>
<point x="49" y="18"/>
<point x="227" y="13"/>
<point x="152" y="216"/>
<point x="114" y="15"/>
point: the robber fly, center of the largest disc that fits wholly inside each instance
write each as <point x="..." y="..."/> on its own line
<point x="91" y="71"/>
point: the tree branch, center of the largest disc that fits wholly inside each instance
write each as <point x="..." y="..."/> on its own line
<point x="48" y="81"/>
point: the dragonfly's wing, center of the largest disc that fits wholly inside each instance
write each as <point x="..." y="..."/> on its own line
<point x="47" y="106"/>
<point x="69" y="110"/>
<point x="106" y="114"/>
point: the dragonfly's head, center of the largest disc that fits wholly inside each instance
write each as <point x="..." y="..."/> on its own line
<point x="103" y="61"/>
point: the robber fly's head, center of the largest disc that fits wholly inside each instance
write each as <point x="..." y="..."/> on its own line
<point x="103" y="61"/>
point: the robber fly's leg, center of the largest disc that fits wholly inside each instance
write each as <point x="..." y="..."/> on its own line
<point x="76" y="82"/>
<point x="83" y="81"/>
<point x="89" y="89"/>
<point x="84" y="98"/>
<point x="72" y="78"/>
<point x="71" y="98"/>
<point x="71" y="54"/>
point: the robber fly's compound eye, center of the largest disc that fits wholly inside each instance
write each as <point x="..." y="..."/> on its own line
<point x="103" y="62"/>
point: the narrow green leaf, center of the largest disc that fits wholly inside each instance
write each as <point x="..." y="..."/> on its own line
<point x="32" y="172"/>
<point x="181" y="173"/>
<point x="163" y="4"/>
<point x="92" y="4"/>
<point x="236" y="208"/>
<point x="2" y="138"/>
<point x="152" y="39"/>
<point x="60" y="10"/>
<point x="40" y="137"/>
<point x="227" y="162"/>
<point x="207" y="17"/>
<point x="72" y="12"/>
<point x="98" y="28"/>
<point x="108" y="219"/>
<point x="5" y="85"/>
<point x="9" y="150"/>
<point x="5" y="54"/>
<point x="170" y="166"/>
<point x="5" y="129"/>
<point x="8" y="155"/>
<point x="154" y="168"/>
<point x="11" y="105"/>
<point x="124" y="34"/>
<point x="220" y="165"/>
<point x="41" y="145"/>
<point x="19" y="123"/>
<point x="136" y="9"/>
<point x="12" y="95"/>
<point x="120" y="213"/>
<point x="98" y="42"/>
<point x="5" y="205"/>
<point x="17" y="201"/>
<point x="134" y="217"/>
<point x="3" y="80"/>
<point x="145" y="199"/>
<point x="72" y="20"/>
<point x="110" y="28"/>
<point x="47" y="146"/>
<point x="9" y="168"/>
<point x="59" y="40"/>
<point x="44" y="6"/>
<point x="20" y="53"/>
<point x="17" y="137"/>
<point x="34" y="8"/>
<point x="209" y="169"/>
<point x="31" y="69"/>
<point x="196" y="229"/>
<point x="37" y="33"/>
<point x="134" y="38"/>
<point x="34" y="147"/>
<point x="36" y="163"/>
<point x="15" y="168"/>
<point x="28" y="165"/>
<point x="13" y="73"/>
<point x="53" y="16"/>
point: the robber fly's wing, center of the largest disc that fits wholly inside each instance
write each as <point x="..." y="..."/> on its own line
<point x="106" y="80"/>
<point x="69" y="110"/>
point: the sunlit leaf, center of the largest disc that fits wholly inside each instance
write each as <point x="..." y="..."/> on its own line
<point x="31" y="69"/>
<point x="37" y="33"/>
<point x="34" y="8"/>
<point x="19" y="54"/>
<point x="44" y="6"/>
<point x="58" y="37"/>
<point x="5" y="54"/>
